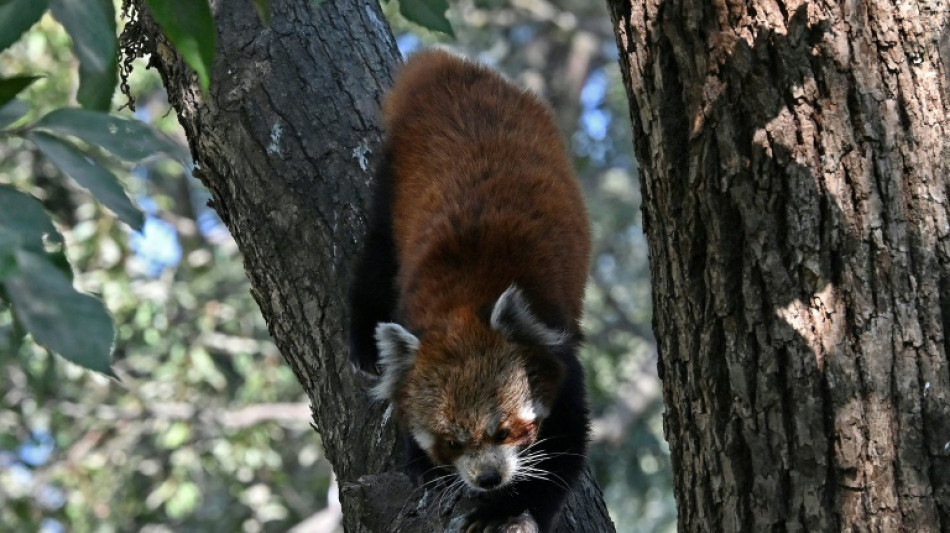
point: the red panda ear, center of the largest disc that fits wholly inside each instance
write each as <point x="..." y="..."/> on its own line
<point x="513" y="318"/>
<point x="397" y="351"/>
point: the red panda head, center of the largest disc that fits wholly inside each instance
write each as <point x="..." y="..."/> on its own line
<point x="474" y="395"/>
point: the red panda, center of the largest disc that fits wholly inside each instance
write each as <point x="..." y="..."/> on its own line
<point x="467" y="298"/>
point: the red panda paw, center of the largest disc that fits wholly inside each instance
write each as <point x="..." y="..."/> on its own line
<point x="523" y="523"/>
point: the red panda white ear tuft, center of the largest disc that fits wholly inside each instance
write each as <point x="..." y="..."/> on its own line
<point x="397" y="351"/>
<point x="512" y="317"/>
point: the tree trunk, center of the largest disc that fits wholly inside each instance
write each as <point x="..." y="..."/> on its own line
<point x="794" y="162"/>
<point x="284" y="142"/>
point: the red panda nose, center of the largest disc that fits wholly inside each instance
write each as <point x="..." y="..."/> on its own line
<point x="488" y="480"/>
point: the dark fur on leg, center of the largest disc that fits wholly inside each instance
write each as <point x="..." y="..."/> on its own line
<point x="372" y="289"/>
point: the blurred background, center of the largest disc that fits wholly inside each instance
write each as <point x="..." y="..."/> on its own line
<point x="208" y="428"/>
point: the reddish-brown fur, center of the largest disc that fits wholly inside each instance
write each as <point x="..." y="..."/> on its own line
<point x="475" y="195"/>
<point x="480" y="177"/>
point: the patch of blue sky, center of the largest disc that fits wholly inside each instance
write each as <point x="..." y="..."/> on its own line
<point x="19" y="475"/>
<point x="210" y="225"/>
<point x="49" y="525"/>
<point x="408" y="43"/>
<point x="594" y="90"/>
<point x="157" y="245"/>
<point x="595" y="123"/>
<point x="37" y="450"/>
<point x="607" y="265"/>
<point x="50" y="497"/>
<point x="522" y="34"/>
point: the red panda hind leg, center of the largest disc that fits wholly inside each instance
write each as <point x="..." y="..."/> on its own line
<point x="372" y="294"/>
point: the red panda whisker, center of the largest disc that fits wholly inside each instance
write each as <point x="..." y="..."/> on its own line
<point x="537" y="457"/>
<point x="532" y="445"/>
<point x="435" y="481"/>
<point x="437" y="484"/>
<point x="543" y="475"/>
<point x="440" y="493"/>
<point x="424" y="488"/>
<point x="451" y="492"/>
<point x="432" y="483"/>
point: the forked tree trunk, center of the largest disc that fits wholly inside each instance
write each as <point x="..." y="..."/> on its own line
<point x="794" y="161"/>
<point x="285" y="142"/>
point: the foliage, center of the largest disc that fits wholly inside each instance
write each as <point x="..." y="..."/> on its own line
<point x="38" y="281"/>
<point x="208" y="428"/>
<point x="190" y="27"/>
<point x="87" y="339"/>
<point x="429" y="14"/>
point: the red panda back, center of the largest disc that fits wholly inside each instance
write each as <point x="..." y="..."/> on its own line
<point x="483" y="194"/>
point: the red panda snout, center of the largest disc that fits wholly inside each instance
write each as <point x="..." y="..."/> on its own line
<point x="488" y="468"/>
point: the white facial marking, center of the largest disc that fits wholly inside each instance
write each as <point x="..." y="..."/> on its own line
<point x="527" y="413"/>
<point x="425" y="439"/>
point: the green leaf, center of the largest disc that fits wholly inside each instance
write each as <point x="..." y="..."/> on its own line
<point x="190" y="27"/>
<point x="10" y="87"/>
<point x="17" y="16"/>
<point x="97" y="180"/>
<point x="9" y="242"/>
<point x="91" y="25"/>
<point x="13" y="111"/>
<point x="23" y="217"/>
<point x="428" y="14"/>
<point x="127" y="139"/>
<point x="61" y="319"/>
<point x="263" y="11"/>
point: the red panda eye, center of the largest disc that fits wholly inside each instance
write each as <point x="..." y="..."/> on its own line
<point x="501" y="435"/>
<point x="454" y="445"/>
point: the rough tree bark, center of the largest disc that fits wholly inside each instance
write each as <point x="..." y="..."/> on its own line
<point x="794" y="162"/>
<point x="285" y="142"/>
